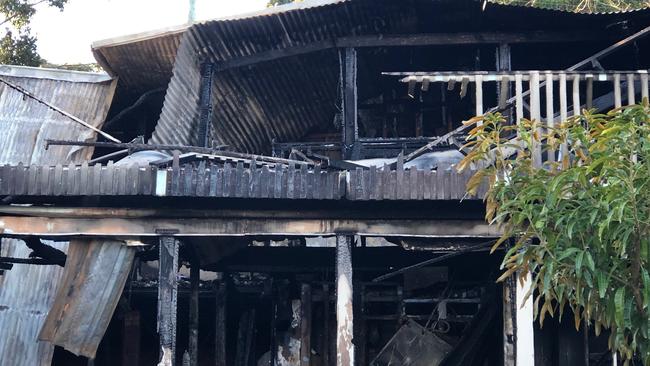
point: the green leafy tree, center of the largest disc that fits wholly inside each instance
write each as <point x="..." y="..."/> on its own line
<point x="279" y="2"/>
<point x="18" y="46"/>
<point x="581" y="225"/>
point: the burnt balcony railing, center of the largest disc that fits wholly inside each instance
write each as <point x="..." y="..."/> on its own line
<point x="236" y="181"/>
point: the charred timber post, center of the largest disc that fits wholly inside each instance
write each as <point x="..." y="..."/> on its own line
<point x="305" y="325"/>
<point x="344" y="306"/>
<point x="167" y="297"/>
<point x="205" y="119"/>
<point x="193" y="341"/>
<point x="350" y="130"/>
<point x="220" y="323"/>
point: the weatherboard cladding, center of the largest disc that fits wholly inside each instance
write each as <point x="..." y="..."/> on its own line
<point x="27" y="292"/>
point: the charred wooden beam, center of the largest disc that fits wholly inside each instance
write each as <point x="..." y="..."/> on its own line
<point x="205" y="100"/>
<point x="344" y="305"/>
<point x="350" y="128"/>
<point x="49" y="254"/>
<point x="131" y="338"/>
<point x="134" y="146"/>
<point x="305" y="325"/>
<point x="245" y="338"/>
<point x="167" y="297"/>
<point x="415" y="40"/>
<point x="220" y="324"/>
<point x="138" y="227"/>
<point x="193" y="342"/>
<point x="325" y="339"/>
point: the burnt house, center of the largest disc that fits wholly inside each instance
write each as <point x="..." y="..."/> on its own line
<point x="278" y="188"/>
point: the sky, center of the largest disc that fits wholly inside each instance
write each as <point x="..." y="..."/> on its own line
<point x="65" y="37"/>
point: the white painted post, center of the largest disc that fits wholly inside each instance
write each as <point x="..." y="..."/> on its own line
<point x="344" y="318"/>
<point x="525" y="344"/>
<point x="576" y="95"/>
<point x="550" y="121"/>
<point x="536" y="117"/>
<point x="617" y="91"/>
<point x="630" y="89"/>
<point x="479" y="94"/>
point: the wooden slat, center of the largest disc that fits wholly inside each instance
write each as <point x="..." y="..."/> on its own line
<point x="519" y="98"/>
<point x="576" y="96"/>
<point x="550" y="113"/>
<point x="617" y="91"/>
<point x="589" y="93"/>
<point x="644" y="85"/>
<point x="631" y="94"/>
<point x="535" y="116"/>
<point x="479" y="95"/>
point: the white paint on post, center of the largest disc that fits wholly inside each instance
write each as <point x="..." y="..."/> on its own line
<point x="525" y="344"/>
<point x="344" y="319"/>
<point x="536" y="117"/>
<point x="161" y="182"/>
<point x="617" y="91"/>
<point x="519" y="97"/>
<point x="630" y="89"/>
<point x="644" y="85"/>
<point x="564" y="114"/>
<point x="576" y="95"/>
<point x="479" y="95"/>
<point x="550" y="114"/>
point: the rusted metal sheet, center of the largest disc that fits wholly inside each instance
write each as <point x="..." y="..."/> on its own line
<point x="28" y="291"/>
<point x="413" y="345"/>
<point x="91" y="286"/>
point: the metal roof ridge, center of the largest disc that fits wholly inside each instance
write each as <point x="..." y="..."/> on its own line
<point x="53" y="74"/>
<point x="156" y="33"/>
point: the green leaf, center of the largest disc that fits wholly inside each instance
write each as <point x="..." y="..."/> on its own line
<point x="603" y="282"/>
<point x="619" y="303"/>
<point x="578" y="262"/>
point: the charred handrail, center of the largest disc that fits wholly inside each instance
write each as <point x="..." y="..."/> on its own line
<point x="134" y="146"/>
<point x="589" y="60"/>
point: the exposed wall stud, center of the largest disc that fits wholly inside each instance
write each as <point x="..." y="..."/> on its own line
<point x="344" y="313"/>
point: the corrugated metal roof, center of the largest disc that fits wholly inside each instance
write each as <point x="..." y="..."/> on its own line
<point x="284" y="99"/>
<point x="93" y="280"/>
<point x="277" y="99"/>
<point x="27" y="292"/>
<point x="580" y="6"/>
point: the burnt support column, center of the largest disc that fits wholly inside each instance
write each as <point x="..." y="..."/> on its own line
<point x="509" y="310"/>
<point x="305" y="325"/>
<point x="350" y="130"/>
<point x="205" y="100"/>
<point x="220" y="324"/>
<point x="344" y="313"/>
<point x="193" y="342"/>
<point x="167" y="296"/>
<point x="325" y="347"/>
<point x="525" y="339"/>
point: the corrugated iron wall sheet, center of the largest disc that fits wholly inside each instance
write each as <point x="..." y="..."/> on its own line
<point x="25" y="123"/>
<point x="278" y="99"/>
<point x="27" y="292"/>
<point x="93" y="280"/>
